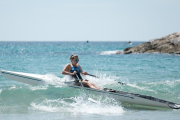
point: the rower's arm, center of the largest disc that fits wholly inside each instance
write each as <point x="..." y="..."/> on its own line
<point x="66" y="70"/>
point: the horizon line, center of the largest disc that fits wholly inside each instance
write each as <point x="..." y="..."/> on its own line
<point x="69" y="41"/>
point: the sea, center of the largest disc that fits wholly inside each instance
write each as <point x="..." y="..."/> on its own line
<point x="154" y="74"/>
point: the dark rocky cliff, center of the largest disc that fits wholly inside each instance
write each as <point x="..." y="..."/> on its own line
<point x="168" y="44"/>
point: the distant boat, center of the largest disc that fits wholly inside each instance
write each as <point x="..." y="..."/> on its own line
<point x="87" y="41"/>
<point x="129" y="42"/>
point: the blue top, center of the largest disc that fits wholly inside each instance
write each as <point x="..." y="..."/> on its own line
<point x="77" y="69"/>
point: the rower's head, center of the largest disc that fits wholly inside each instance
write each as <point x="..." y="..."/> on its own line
<point x="74" y="59"/>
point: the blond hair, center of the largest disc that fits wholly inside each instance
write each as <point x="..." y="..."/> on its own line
<point x="73" y="57"/>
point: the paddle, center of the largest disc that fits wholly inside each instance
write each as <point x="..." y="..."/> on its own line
<point x="115" y="80"/>
<point x="124" y="83"/>
<point x="90" y="99"/>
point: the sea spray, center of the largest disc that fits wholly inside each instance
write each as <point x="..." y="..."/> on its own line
<point x="79" y="105"/>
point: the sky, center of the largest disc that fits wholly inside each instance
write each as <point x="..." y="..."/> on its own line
<point x="93" y="20"/>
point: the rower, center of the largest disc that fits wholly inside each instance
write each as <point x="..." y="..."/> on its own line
<point x="74" y="68"/>
<point x="76" y="76"/>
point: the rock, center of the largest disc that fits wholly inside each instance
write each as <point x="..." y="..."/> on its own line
<point x="178" y="33"/>
<point x="127" y="48"/>
<point x="172" y="36"/>
<point x="176" y="41"/>
<point x="150" y="51"/>
<point x="168" y="44"/>
<point x="178" y="52"/>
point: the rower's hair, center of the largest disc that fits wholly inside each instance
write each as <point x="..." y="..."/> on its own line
<point x="73" y="57"/>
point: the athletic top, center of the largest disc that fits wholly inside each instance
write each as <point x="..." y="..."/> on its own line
<point x="78" y="70"/>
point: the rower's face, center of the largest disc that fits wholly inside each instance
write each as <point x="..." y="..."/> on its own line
<point x="75" y="60"/>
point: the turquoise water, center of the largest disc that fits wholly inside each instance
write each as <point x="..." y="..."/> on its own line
<point x="150" y="74"/>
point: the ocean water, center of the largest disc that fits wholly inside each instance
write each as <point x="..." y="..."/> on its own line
<point x="150" y="74"/>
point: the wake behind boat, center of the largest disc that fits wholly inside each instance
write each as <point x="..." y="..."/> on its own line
<point x="124" y="97"/>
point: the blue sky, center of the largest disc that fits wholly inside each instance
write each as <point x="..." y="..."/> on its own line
<point x="93" y="20"/>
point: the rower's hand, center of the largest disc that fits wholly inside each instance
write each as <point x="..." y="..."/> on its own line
<point x="74" y="72"/>
<point x="84" y="73"/>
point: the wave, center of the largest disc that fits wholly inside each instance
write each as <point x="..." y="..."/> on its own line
<point x="111" y="52"/>
<point x="55" y="96"/>
<point x="54" y="99"/>
<point x="78" y="105"/>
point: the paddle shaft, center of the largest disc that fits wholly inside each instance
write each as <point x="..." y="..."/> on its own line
<point x="93" y="75"/>
<point x="115" y="80"/>
<point x="82" y="86"/>
<point x="90" y="99"/>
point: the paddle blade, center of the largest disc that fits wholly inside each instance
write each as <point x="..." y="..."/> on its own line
<point x="90" y="99"/>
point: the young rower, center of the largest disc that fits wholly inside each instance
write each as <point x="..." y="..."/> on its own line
<point x="75" y="70"/>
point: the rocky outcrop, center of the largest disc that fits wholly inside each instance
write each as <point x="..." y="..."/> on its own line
<point x="168" y="44"/>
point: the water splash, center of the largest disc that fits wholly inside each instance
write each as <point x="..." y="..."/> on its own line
<point x="50" y="79"/>
<point x="101" y="81"/>
<point x="33" y="88"/>
<point x="13" y="87"/>
<point x="78" y="105"/>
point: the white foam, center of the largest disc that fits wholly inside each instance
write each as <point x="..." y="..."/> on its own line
<point x="101" y="81"/>
<point x="110" y="52"/>
<point x="79" y="105"/>
<point x="54" y="80"/>
<point x="126" y="82"/>
<point x="13" y="87"/>
<point x="112" y="80"/>
<point x="141" y="88"/>
<point x="103" y="107"/>
<point x="33" y="88"/>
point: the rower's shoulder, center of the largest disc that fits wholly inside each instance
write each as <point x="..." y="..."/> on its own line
<point x="78" y="65"/>
<point x="68" y="65"/>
